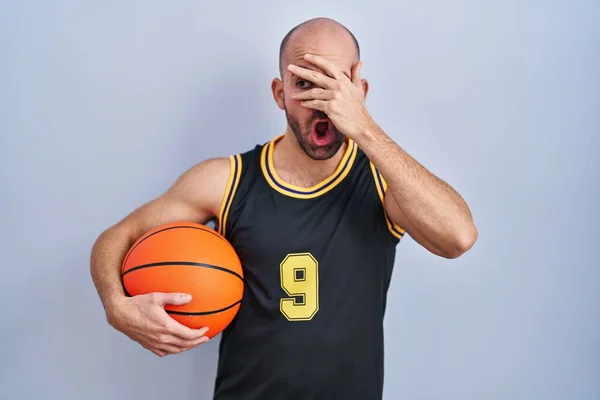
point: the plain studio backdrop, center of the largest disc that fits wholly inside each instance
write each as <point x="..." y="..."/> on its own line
<point x="103" y="104"/>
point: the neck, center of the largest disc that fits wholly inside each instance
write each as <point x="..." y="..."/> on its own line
<point x="295" y="166"/>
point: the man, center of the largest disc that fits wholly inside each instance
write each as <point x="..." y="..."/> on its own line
<point x="315" y="216"/>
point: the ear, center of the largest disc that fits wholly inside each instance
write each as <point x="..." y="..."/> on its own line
<point x="357" y="80"/>
<point x="365" y="87"/>
<point x="277" y="89"/>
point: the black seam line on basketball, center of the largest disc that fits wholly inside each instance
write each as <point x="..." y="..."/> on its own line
<point x="186" y="263"/>
<point x="173" y="227"/>
<point x="203" y="312"/>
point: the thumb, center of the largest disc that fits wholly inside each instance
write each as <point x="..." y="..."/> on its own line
<point x="172" y="298"/>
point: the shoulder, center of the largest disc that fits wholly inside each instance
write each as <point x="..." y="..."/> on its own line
<point x="241" y="177"/>
<point x="210" y="171"/>
<point x="211" y="181"/>
<point x="216" y="172"/>
<point x="202" y="184"/>
<point x="244" y="167"/>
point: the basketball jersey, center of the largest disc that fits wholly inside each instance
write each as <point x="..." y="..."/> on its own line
<point x="317" y="264"/>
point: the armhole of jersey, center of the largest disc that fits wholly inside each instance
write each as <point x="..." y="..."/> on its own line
<point x="235" y="171"/>
<point x="381" y="185"/>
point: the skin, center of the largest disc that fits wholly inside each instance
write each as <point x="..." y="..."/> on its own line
<point x="322" y="81"/>
<point x="296" y="160"/>
<point x="428" y="208"/>
<point x="195" y="196"/>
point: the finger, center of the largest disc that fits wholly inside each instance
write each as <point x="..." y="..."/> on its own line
<point x="316" y="105"/>
<point x="356" y="73"/>
<point x="313" y="76"/>
<point x="176" y="346"/>
<point x="177" y="299"/>
<point x="154" y="350"/>
<point x="159" y="353"/>
<point x="195" y="343"/>
<point x="183" y="332"/>
<point x="182" y="344"/>
<point x="329" y="67"/>
<point x="169" y="349"/>
<point x="313" y="94"/>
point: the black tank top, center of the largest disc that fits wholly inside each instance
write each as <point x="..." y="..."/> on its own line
<point x="317" y="265"/>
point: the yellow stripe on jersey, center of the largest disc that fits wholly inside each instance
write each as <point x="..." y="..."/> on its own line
<point x="381" y="185"/>
<point x="235" y="171"/>
<point x="270" y="174"/>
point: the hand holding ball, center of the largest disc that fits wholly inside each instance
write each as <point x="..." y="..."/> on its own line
<point x="190" y="258"/>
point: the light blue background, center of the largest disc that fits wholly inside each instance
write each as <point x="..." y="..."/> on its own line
<point x="104" y="103"/>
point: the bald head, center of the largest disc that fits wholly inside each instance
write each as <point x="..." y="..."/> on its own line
<point x="316" y="31"/>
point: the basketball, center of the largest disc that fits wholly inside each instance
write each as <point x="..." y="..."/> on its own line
<point x="191" y="258"/>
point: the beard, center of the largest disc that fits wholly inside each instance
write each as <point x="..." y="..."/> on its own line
<point x="303" y="134"/>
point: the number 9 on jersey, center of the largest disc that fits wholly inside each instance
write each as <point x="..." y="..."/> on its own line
<point x="299" y="274"/>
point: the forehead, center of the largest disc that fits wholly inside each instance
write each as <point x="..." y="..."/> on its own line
<point x="338" y="49"/>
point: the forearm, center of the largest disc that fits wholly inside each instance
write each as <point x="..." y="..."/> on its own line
<point x="105" y="265"/>
<point x="433" y="208"/>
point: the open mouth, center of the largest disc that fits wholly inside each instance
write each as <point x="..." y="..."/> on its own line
<point x="322" y="132"/>
<point x="321" y="128"/>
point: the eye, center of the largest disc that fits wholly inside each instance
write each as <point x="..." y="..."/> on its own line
<point x="302" y="84"/>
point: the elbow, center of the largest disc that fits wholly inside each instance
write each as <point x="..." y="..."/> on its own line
<point x="463" y="242"/>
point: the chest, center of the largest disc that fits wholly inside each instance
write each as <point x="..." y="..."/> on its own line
<point x="303" y="177"/>
<point x="301" y="257"/>
<point x="338" y="228"/>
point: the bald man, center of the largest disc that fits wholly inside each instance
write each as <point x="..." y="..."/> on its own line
<point x="315" y="215"/>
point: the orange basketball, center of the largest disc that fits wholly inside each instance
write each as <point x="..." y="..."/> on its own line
<point x="186" y="257"/>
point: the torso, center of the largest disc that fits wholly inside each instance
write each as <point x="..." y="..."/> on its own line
<point x="317" y="264"/>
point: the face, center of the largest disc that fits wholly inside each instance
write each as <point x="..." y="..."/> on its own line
<point x="315" y="133"/>
<point x="308" y="125"/>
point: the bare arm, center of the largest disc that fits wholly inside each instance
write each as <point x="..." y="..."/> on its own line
<point x="429" y="209"/>
<point x="195" y="196"/>
<point x="432" y="213"/>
